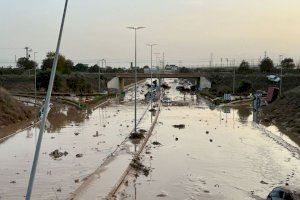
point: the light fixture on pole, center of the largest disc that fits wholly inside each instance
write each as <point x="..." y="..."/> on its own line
<point x="135" y="72"/>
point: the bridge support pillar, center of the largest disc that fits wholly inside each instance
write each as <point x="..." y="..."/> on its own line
<point x="199" y="83"/>
<point x="121" y="84"/>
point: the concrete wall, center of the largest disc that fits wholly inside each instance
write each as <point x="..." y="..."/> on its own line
<point x="204" y="83"/>
<point x="114" y="83"/>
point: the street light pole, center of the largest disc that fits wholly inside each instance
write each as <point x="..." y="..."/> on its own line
<point x="151" y="46"/>
<point x="280" y="86"/>
<point x="34" y="79"/>
<point x="46" y="108"/>
<point x="99" y="84"/>
<point x="135" y="73"/>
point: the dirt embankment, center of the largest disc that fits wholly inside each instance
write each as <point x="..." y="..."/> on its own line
<point x="285" y="112"/>
<point x="12" y="111"/>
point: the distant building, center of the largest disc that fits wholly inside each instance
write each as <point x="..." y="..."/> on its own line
<point x="171" y="68"/>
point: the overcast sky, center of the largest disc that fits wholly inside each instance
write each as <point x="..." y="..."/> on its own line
<point x="186" y="30"/>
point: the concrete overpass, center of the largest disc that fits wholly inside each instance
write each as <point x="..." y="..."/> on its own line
<point x="120" y="77"/>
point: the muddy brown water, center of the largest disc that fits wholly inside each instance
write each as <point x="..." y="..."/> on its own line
<point x="236" y="159"/>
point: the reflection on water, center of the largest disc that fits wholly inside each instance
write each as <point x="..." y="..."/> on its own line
<point x="244" y="112"/>
<point x="60" y="116"/>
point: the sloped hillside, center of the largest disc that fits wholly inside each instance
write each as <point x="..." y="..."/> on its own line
<point x="11" y="111"/>
<point x="285" y="112"/>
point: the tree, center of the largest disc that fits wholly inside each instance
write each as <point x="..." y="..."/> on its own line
<point x="43" y="78"/>
<point x="81" y="67"/>
<point x="94" y="69"/>
<point x="25" y="63"/>
<point x="244" y="88"/>
<point x="244" y="66"/>
<point x="288" y="63"/>
<point x="77" y="84"/>
<point x="64" y="65"/>
<point x="266" y="65"/>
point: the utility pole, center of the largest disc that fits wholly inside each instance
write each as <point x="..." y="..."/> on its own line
<point x="211" y="60"/>
<point x="135" y="74"/>
<point x="221" y="62"/>
<point x="16" y="62"/>
<point x="233" y="85"/>
<point x="227" y="62"/>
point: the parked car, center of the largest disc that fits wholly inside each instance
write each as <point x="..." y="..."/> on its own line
<point x="284" y="193"/>
<point x="166" y="100"/>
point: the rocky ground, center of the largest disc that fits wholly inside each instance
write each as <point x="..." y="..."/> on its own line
<point x="285" y="112"/>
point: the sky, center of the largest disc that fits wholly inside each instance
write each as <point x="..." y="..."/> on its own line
<point x="187" y="31"/>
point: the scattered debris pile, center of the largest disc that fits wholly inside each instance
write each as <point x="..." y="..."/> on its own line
<point x="139" y="167"/>
<point x="12" y="111"/>
<point x="285" y="111"/>
<point x="137" y="135"/>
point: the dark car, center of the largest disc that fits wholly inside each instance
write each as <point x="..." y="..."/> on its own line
<point x="284" y="193"/>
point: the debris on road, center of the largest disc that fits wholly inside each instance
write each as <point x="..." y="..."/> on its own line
<point x="263" y="182"/>
<point x="139" y="167"/>
<point x="179" y="126"/>
<point x="79" y="155"/>
<point x="97" y="134"/>
<point x="76" y="133"/>
<point x="156" y="143"/>
<point x="57" y="154"/>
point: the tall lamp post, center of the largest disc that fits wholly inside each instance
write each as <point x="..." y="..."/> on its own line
<point x="34" y="79"/>
<point x="280" y="86"/>
<point x="99" y="74"/>
<point x="135" y="72"/>
<point x="151" y="65"/>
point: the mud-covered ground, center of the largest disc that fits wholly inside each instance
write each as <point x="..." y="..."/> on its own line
<point x="285" y="112"/>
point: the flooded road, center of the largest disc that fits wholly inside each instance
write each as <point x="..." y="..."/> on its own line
<point x="72" y="131"/>
<point x="219" y="154"/>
